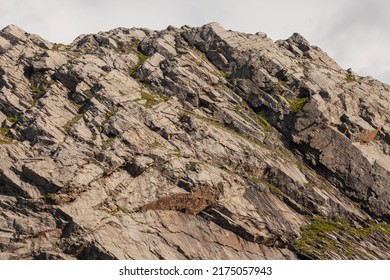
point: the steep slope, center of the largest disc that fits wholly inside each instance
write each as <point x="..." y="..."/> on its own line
<point x="190" y="143"/>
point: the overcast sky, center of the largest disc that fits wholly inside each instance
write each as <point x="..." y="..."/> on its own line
<point x="355" y="33"/>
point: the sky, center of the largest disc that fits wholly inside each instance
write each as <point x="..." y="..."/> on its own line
<point x="355" y="33"/>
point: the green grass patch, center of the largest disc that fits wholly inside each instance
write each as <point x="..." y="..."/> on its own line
<point x="178" y="154"/>
<point x="126" y="48"/>
<point x="108" y="116"/>
<point x="349" y="78"/>
<point x="264" y="121"/>
<point x="202" y="54"/>
<point x="13" y="119"/>
<point x="141" y="59"/>
<point x="37" y="90"/>
<point x="183" y="116"/>
<point x="72" y="122"/>
<point x="224" y="75"/>
<point x="107" y="141"/>
<point x="318" y="237"/>
<point x="231" y="131"/>
<point x="269" y="185"/>
<point x="48" y="196"/>
<point x="297" y="105"/>
<point x="58" y="47"/>
<point x="6" y="140"/>
<point x="151" y="99"/>
<point x="156" y="144"/>
<point x="272" y="187"/>
<point x="192" y="166"/>
<point x="51" y="82"/>
<point x="4" y="131"/>
<point x="3" y="138"/>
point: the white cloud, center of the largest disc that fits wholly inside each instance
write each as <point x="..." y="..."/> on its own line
<point x="354" y="33"/>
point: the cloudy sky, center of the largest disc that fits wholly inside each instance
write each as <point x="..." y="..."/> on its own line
<point x="355" y="33"/>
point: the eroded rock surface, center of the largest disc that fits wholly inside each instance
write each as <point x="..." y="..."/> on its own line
<point x="189" y="143"/>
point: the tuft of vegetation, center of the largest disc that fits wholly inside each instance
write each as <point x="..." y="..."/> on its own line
<point x="320" y="237"/>
<point x="57" y="47"/>
<point x="272" y="187"/>
<point x="107" y="142"/>
<point x="229" y="130"/>
<point x="238" y="108"/>
<point x="48" y="196"/>
<point x="108" y="116"/>
<point x="162" y="96"/>
<point x="4" y="131"/>
<point x="126" y="48"/>
<point x="117" y="210"/>
<point x="183" y="116"/>
<point x="152" y="98"/>
<point x="156" y="144"/>
<point x="297" y="105"/>
<point x="264" y="121"/>
<point x="37" y="90"/>
<point x="51" y="82"/>
<point x="6" y="140"/>
<point x="269" y="185"/>
<point x="72" y="122"/>
<point x="141" y="59"/>
<point x="3" y="138"/>
<point x="224" y="75"/>
<point x="178" y="154"/>
<point x="202" y="54"/>
<point x="349" y="78"/>
<point x="192" y="166"/>
<point x="13" y="119"/>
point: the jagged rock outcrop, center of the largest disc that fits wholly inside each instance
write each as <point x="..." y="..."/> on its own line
<point x="189" y="143"/>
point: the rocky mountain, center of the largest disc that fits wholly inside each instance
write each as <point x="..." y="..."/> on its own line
<point x="189" y="143"/>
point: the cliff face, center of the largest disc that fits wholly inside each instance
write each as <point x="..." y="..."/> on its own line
<point x="190" y="143"/>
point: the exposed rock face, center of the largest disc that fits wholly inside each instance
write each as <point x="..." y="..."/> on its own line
<point x="190" y="143"/>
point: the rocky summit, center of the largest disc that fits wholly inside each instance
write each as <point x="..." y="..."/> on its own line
<point x="189" y="143"/>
